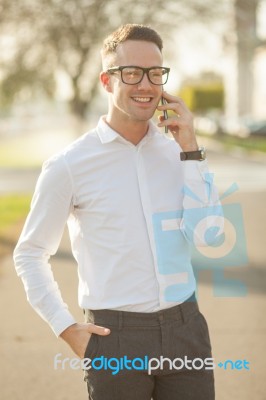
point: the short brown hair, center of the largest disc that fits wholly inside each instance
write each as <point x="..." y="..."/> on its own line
<point x="130" y="32"/>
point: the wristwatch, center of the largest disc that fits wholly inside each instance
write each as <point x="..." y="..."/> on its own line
<point x="198" y="155"/>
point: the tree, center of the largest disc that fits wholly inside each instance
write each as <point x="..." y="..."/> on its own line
<point x="65" y="35"/>
<point x="246" y="43"/>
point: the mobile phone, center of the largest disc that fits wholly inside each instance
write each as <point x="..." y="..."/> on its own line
<point x="165" y="114"/>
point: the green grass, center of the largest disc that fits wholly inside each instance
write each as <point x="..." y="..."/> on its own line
<point x="249" y="143"/>
<point x="13" y="208"/>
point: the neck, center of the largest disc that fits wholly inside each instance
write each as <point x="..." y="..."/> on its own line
<point x="133" y="131"/>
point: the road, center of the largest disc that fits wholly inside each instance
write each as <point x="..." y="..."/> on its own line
<point x="248" y="173"/>
<point x="18" y="180"/>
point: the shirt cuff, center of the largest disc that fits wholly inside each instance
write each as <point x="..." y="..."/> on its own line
<point x="195" y="170"/>
<point x="61" y="321"/>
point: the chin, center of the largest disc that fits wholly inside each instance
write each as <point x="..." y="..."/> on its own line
<point x="146" y="117"/>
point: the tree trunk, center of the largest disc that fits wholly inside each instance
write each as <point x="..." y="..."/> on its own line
<point x="245" y="22"/>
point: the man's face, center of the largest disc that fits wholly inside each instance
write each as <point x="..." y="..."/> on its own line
<point x="134" y="102"/>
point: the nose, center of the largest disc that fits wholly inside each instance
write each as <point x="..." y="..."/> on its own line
<point x="145" y="83"/>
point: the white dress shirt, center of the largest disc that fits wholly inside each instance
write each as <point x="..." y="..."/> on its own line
<point x="125" y="206"/>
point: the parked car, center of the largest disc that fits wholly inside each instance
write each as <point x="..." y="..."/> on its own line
<point x="257" y="128"/>
<point x="244" y="127"/>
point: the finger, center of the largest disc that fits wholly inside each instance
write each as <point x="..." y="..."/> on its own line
<point x="98" y="330"/>
<point x="172" y="122"/>
<point x="168" y="106"/>
<point x="175" y="107"/>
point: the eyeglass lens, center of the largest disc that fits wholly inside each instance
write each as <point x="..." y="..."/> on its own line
<point x="133" y="75"/>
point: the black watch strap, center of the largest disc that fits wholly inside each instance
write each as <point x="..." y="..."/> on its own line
<point x="198" y="155"/>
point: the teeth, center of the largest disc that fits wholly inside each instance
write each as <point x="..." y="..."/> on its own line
<point x="142" y="99"/>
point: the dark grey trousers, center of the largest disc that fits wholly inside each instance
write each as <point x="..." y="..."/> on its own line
<point x="179" y="333"/>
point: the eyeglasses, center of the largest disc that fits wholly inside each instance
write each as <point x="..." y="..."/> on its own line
<point x="132" y="75"/>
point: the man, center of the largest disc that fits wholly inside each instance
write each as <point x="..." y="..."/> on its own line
<point x="121" y="190"/>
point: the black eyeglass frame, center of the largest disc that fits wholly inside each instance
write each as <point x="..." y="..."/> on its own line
<point x="146" y="71"/>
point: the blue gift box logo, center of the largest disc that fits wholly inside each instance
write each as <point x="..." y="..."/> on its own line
<point x="177" y="235"/>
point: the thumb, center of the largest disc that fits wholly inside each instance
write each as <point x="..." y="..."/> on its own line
<point x="98" y="330"/>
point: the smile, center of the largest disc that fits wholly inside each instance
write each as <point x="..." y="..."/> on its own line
<point x="142" y="99"/>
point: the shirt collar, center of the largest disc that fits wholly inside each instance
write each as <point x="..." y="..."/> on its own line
<point x="107" y="134"/>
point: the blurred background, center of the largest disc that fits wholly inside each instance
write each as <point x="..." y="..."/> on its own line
<point x="50" y="95"/>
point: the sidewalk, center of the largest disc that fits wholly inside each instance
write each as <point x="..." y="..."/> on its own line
<point x="28" y="346"/>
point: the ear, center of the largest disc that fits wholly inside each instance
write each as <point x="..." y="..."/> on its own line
<point x="106" y="81"/>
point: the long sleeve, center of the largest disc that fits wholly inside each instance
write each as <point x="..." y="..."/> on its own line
<point x="40" y="238"/>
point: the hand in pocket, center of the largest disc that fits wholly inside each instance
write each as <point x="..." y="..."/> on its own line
<point x="79" y="335"/>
